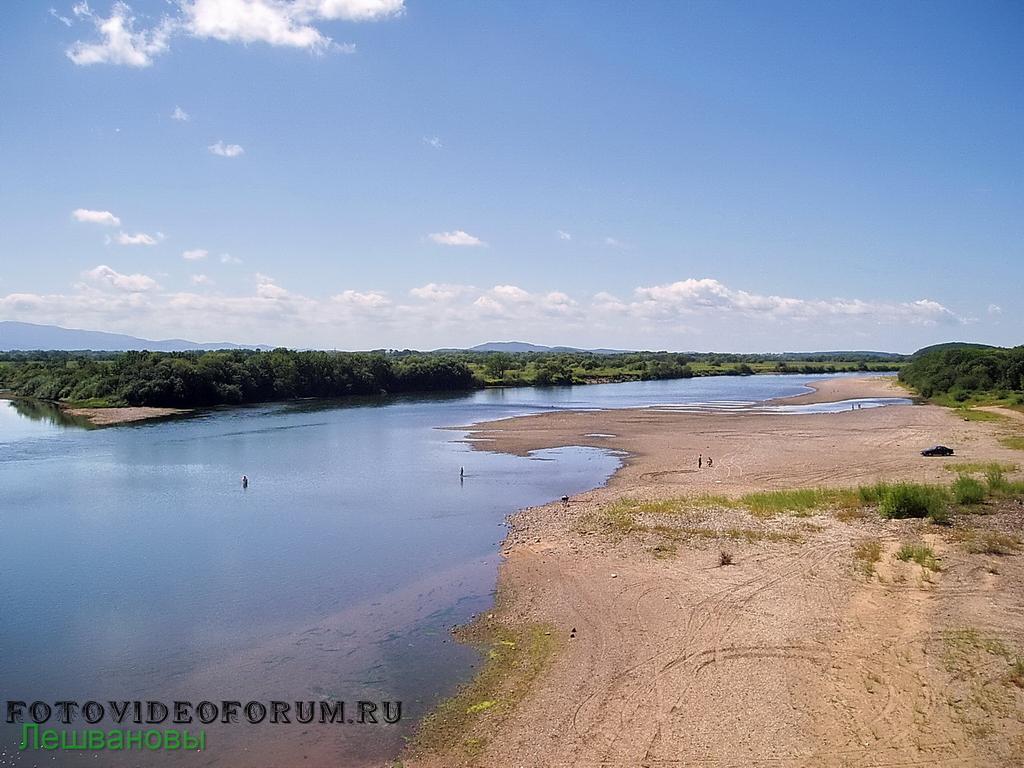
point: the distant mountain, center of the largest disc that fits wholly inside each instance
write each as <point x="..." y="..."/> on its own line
<point x="522" y="346"/>
<point x="16" y="336"/>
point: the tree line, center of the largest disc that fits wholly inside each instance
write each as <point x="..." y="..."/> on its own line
<point x="960" y="373"/>
<point x="226" y="377"/>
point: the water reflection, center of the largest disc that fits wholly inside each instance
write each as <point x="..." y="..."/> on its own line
<point x="40" y="410"/>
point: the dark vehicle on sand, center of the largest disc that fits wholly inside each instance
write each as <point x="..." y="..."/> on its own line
<point x="937" y="450"/>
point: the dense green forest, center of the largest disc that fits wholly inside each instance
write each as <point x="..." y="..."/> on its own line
<point x="211" y="378"/>
<point x="958" y="374"/>
<point x="247" y="376"/>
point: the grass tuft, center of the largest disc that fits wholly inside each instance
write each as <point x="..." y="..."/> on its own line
<point x="919" y="553"/>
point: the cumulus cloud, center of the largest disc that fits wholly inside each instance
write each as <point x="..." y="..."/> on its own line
<point x="440" y="291"/>
<point x="563" y="235"/>
<point x="108" y="277"/>
<point x="196" y="254"/>
<point x="227" y="258"/>
<point x="226" y="150"/>
<point x="288" y="23"/>
<point x="995" y="309"/>
<point x="709" y="296"/>
<point x="119" y="41"/>
<point x="139" y="238"/>
<point x="458" y="237"/>
<point x="367" y="300"/>
<point x="96" y="217"/>
<point x="433" y="141"/>
<point x="696" y="313"/>
<point x="180" y="115"/>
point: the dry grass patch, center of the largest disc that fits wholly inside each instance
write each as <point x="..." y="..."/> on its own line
<point x="992" y="543"/>
<point x="979" y="467"/>
<point x="865" y="554"/>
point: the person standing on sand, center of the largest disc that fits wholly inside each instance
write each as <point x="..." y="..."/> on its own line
<point x="710" y="462"/>
<point x="700" y="460"/>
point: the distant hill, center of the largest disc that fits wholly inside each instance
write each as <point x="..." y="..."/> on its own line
<point x="15" y="336"/>
<point x="522" y="346"/>
<point x="852" y="354"/>
<point x="952" y="345"/>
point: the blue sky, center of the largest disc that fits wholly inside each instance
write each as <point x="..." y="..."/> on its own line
<point x="366" y="173"/>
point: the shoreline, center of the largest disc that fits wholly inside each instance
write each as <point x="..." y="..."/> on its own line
<point x="571" y="566"/>
<point x="839" y="389"/>
<point x="109" y="416"/>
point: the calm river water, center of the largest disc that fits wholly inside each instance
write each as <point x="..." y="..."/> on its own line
<point x="134" y="566"/>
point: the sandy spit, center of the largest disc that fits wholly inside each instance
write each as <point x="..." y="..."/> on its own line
<point x="796" y="654"/>
<point x="106" y="417"/>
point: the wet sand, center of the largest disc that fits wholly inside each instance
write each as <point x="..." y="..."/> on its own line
<point x="796" y="654"/>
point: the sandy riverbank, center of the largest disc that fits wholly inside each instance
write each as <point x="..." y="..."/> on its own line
<point x="847" y="388"/>
<point x="106" y="417"/>
<point x="796" y="654"/>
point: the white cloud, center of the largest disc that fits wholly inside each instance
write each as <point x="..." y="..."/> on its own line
<point x="140" y="238"/>
<point x="563" y="235"/>
<point x="368" y="300"/>
<point x="195" y="254"/>
<point x="62" y="19"/>
<point x="355" y="10"/>
<point x="252" y="21"/>
<point x="267" y="288"/>
<point x="108" y="277"/>
<point x="120" y="42"/>
<point x="226" y="150"/>
<point x="611" y="242"/>
<point x="995" y="309"/>
<point x="227" y="258"/>
<point x="708" y="296"/>
<point x="696" y="313"/>
<point x="290" y="23"/>
<point x="458" y="237"/>
<point x="96" y="217"/>
<point x="440" y="291"/>
<point x="433" y="141"/>
<point x="180" y="115"/>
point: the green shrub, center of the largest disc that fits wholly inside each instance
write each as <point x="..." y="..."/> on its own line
<point x="967" y="490"/>
<point x="997" y="483"/>
<point x="911" y="500"/>
<point x="872" y="494"/>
